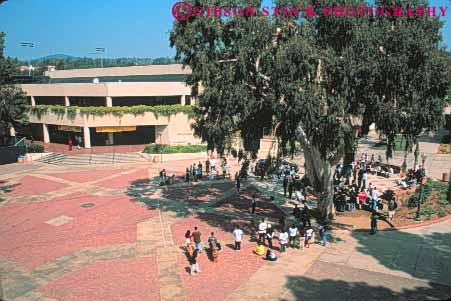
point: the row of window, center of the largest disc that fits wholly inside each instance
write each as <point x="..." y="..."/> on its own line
<point x="117" y="101"/>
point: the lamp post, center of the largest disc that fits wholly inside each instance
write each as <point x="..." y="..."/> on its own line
<point x="100" y="50"/>
<point x="423" y="160"/>
<point x="28" y="45"/>
<point x="161" y="152"/>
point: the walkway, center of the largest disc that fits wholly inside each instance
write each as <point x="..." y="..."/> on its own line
<point x="113" y="233"/>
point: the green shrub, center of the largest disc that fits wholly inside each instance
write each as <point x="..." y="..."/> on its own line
<point x="35" y="148"/>
<point x="428" y="211"/>
<point x="173" y="149"/>
<point x="442" y="212"/>
<point x="72" y="111"/>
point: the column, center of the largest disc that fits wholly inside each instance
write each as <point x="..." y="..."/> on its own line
<point x="33" y="101"/>
<point x="183" y="100"/>
<point x="110" y="138"/>
<point x="162" y="134"/>
<point x="86" y="137"/>
<point x="66" y="101"/>
<point x="46" y="135"/>
<point x="109" y="101"/>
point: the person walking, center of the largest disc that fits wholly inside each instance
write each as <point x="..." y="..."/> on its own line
<point x="308" y="236"/>
<point x="269" y="235"/>
<point x="292" y="232"/>
<point x="392" y="206"/>
<point x="282" y="223"/>
<point x="283" y="239"/>
<point x="262" y="227"/>
<point x="290" y="186"/>
<point x="194" y="264"/>
<point x="188" y="237"/>
<point x="238" y="182"/>
<point x="373" y="223"/>
<point x="207" y="166"/>
<point x="214" y="243"/>
<point x="187" y="175"/>
<point x="197" y="239"/>
<point x="70" y="143"/>
<point x="237" y="235"/>
<point x="297" y="213"/>
<point x="364" y="178"/>
<point x="323" y="232"/>
<point x="285" y="185"/>
<point x="374" y="198"/>
<point x="199" y="170"/>
<point x="253" y="204"/>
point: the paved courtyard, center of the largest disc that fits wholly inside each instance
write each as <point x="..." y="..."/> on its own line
<point x="112" y="233"/>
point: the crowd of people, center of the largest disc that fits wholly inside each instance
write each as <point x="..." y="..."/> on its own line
<point x="298" y="235"/>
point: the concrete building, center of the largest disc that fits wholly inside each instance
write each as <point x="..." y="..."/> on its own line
<point x="106" y="89"/>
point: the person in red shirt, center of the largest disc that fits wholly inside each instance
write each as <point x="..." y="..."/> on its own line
<point x="70" y="143"/>
<point x="362" y="198"/>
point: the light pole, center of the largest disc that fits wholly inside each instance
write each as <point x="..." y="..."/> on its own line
<point x="423" y="160"/>
<point x="100" y="50"/>
<point x="28" y="45"/>
<point x="161" y="151"/>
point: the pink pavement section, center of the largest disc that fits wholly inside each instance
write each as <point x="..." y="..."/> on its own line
<point x="124" y="279"/>
<point x="126" y="180"/>
<point x="85" y="176"/>
<point x="30" y="185"/>
<point x="217" y="280"/>
<point x="26" y="238"/>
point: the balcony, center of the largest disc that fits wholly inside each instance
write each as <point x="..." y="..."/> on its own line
<point x="110" y="116"/>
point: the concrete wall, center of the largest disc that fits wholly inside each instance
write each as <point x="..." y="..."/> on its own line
<point x="121" y="71"/>
<point x="108" y="89"/>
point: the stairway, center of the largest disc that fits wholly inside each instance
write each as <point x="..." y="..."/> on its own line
<point x="87" y="159"/>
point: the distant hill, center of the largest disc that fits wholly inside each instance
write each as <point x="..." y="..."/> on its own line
<point x="66" y="62"/>
<point x="58" y="56"/>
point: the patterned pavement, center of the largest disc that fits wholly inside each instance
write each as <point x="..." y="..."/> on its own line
<point x="112" y="233"/>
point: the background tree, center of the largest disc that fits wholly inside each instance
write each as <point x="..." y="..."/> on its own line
<point x="314" y="76"/>
<point x="13" y="102"/>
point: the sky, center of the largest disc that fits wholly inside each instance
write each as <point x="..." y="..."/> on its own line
<point x="125" y="28"/>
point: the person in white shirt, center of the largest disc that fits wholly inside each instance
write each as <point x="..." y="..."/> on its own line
<point x="299" y="196"/>
<point x="283" y="238"/>
<point x="292" y="232"/>
<point x="237" y="233"/>
<point x="213" y="164"/>
<point x="262" y="231"/>
<point x="308" y="236"/>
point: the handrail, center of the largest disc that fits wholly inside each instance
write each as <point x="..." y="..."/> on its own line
<point x="18" y="142"/>
<point x="114" y="154"/>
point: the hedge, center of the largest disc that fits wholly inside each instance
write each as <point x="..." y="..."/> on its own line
<point x="35" y="148"/>
<point x="72" y="111"/>
<point x="173" y="149"/>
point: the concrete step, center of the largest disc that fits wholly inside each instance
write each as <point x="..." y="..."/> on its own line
<point x="87" y="159"/>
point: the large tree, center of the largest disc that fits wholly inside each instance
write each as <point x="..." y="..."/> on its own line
<point x="313" y="77"/>
<point x="13" y="102"/>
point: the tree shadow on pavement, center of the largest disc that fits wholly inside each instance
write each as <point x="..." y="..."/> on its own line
<point x="427" y="257"/>
<point x="304" y="288"/>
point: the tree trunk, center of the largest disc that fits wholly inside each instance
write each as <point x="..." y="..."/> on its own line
<point x="320" y="174"/>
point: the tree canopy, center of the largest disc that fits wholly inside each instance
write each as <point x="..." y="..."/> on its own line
<point x="13" y="102"/>
<point x="314" y="77"/>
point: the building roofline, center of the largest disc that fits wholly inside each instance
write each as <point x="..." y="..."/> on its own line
<point x="120" y="71"/>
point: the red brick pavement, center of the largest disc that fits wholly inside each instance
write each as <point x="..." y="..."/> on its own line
<point x="30" y="185"/>
<point x="130" y="279"/>
<point x="125" y="181"/>
<point x="27" y="239"/>
<point x="85" y="176"/>
<point x="218" y="280"/>
<point x="242" y="204"/>
<point x="196" y="194"/>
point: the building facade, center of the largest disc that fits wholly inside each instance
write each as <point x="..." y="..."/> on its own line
<point x="112" y="106"/>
